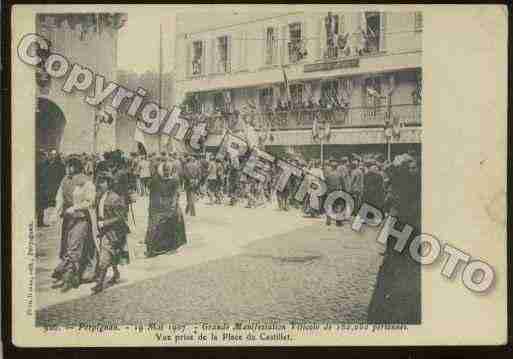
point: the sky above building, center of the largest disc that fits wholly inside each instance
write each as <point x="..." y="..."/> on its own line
<point x="139" y="42"/>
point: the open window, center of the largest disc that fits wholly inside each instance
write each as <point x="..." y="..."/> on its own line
<point x="329" y="92"/>
<point x="296" y="94"/>
<point x="296" y="46"/>
<point x="197" y="57"/>
<point x="218" y="101"/>
<point x="223" y="54"/>
<point x="372" y="31"/>
<point x="271" y="44"/>
<point x="193" y="103"/>
<point x="331" y="23"/>
<point x="266" y="98"/>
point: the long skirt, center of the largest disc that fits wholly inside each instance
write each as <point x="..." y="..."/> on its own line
<point x="397" y="295"/>
<point x="78" y="252"/>
<point x="166" y="232"/>
<point x="112" y="249"/>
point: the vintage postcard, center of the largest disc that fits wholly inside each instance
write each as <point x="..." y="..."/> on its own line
<point x="258" y="175"/>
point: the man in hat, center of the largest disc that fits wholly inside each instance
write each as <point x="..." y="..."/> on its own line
<point x="356" y="182"/>
<point x="191" y="178"/>
<point x="56" y="172"/>
<point x="145" y="174"/>
<point x="373" y="188"/>
<point x="212" y="180"/>
<point x="344" y="173"/>
<point x="112" y="230"/>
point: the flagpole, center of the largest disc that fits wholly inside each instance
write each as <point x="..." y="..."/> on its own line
<point x="322" y="151"/>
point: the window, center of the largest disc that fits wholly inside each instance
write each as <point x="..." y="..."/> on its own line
<point x="297" y="49"/>
<point x="418" y="21"/>
<point x="329" y="91"/>
<point x="218" y="101"/>
<point x="266" y="98"/>
<point x="331" y="23"/>
<point x="296" y="94"/>
<point x="197" y="57"/>
<point x="372" y="31"/>
<point x="372" y="93"/>
<point x="193" y="103"/>
<point x="270" y="46"/>
<point x="223" y="64"/>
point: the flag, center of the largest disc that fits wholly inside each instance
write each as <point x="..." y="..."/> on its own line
<point x="139" y="139"/>
<point x="286" y="84"/>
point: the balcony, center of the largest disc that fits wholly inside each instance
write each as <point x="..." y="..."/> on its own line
<point x="297" y="51"/>
<point x="301" y="119"/>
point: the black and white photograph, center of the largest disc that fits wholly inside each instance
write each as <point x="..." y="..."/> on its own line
<point x="187" y="234"/>
<point x="246" y="175"/>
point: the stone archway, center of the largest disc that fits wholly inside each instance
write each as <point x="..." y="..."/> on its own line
<point x="50" y="123"/>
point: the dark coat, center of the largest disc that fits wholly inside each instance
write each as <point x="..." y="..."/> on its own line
<point x="373" y="192"/>
<point x="42" y="184"/>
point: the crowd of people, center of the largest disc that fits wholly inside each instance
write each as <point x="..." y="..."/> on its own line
<point x="93" y="194"/>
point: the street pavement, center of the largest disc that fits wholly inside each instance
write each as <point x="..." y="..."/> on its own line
<point x="238" y="264"/>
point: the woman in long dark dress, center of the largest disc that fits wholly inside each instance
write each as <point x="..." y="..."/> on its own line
<point x="166" y="227"/>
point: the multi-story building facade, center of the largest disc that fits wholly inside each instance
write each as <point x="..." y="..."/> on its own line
<point x="360" y="68"/>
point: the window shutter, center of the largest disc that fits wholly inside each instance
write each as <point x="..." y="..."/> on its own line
<point x="188" y="58"/>
<point x="305" y="38"/>
<point x="418" y="21"/>
<point x="322" y="38"/>
<point x="233" y="52"/>
<point x="212" y="53"/>
<point x="341" y="24"/>
<point x="203" y="57"/>
<point x="276" y="95"/>
<point x="362" y="20"/>
<point x="284" y="44"/>
<point x="263" y="44"/>
<point x="276" y="45"/>
<point x="242" y="44"/>
<point x="382" y="29"/>
<point x="229" y="52"/>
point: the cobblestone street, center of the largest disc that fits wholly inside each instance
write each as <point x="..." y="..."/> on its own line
<point x="238" y="264"/>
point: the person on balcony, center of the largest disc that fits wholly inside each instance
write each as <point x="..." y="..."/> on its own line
<point x="343" y="44"/>
<point x="281" y="112"/>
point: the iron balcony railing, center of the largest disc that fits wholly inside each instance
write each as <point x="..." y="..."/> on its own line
<point x="303" y="118"/>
